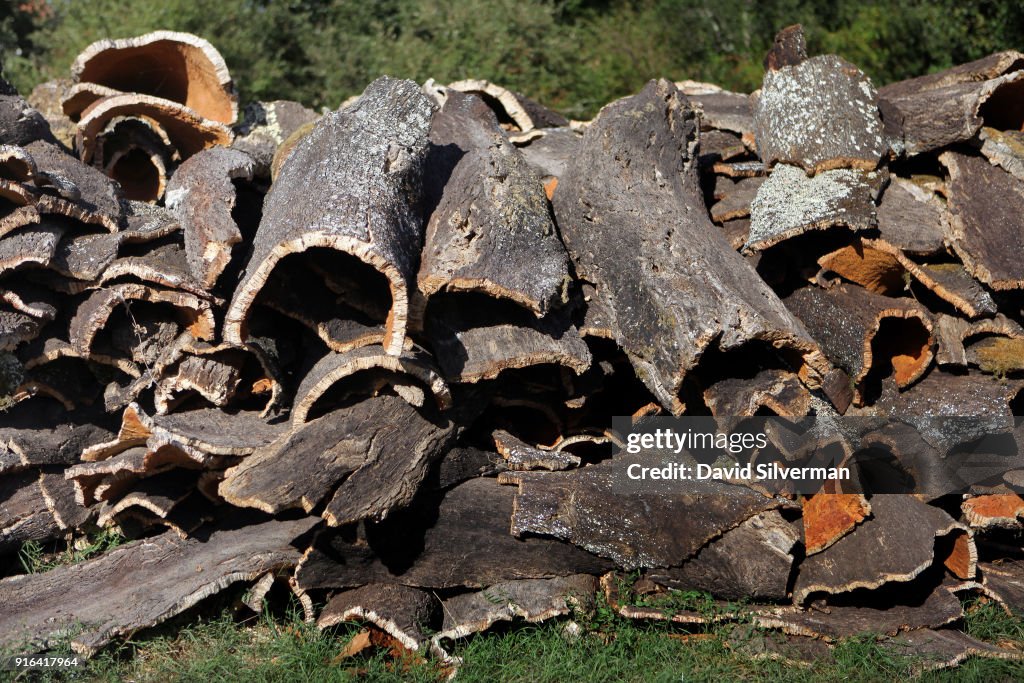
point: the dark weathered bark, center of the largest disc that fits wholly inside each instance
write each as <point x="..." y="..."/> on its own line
<point x="636" y="524"/>
<point x="24" y="515"/>
<point x="789" y="204"/>
<point x="473" y="341"/>
<point x="927" y="113"/>
<point x="820" y="114"/>
<point x="549" y="151"/>
<point x="138" y="585"/>
<point x="158" y="495"/>
<point x="723" y="110"/>
<point x="753" y="560"/>
<point x="89" y="196"/>
<point x="1004" y="581"/>
<point x="833" y="622"/>
<point x="912" y="219"/>
<point x="848" y="322"/>
<point x="354" y="185"/>
<point x="406" y="614"/>
<point x="511" y="107"/>
<point x="778" y="390"/>
<point x="335" y="367"/>
<point x="664" y="273"/>
<point x="491" y="230"/>
<point x="47" y="435"/>
<point x="735" y="201"/>
<point x="533" y="600"/>
<point x="1004" y="149"/>
<point x="20" y="124"/>
<point x="33" y="245"/>
<point x="61" y="501"/>
<point x="895" y="544"/>
<point x="463" y="541"/>
<point x="210" y="430"/>
<point x="987" y="219"/>
<point x="175" y="66"/>
<point x="520" y="456"/>
<point x="789" y="48"/>
<point x="265" y="126"/>
<point x="202" y="196"/>
<point x="215" y="378"/>
<point x="942" y="649"/>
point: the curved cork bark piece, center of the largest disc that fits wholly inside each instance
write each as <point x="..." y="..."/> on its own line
<point x="180" y="67"/>
<point x="164" y="265"/>
<point x="912" y="219"/>
<point x="79" y="96"/>
<point x="264" y="128"/>
<point x="187" y="131"/>
<point x="1003" y="580"/>
<point x="511" y="107"/>
<point x="827" y="517"/>
<point x="407" y="614"/>
<point x="139" y="584"/>
<point x="598" y="508"/>
<point x="788" y="49"/>
<point x="461" y="540"/>
<point x="1004" y="149"/>
<point x="202" y="195"/>
<point x="137" y="154"/>
<point x="33" y="245"/>
<point x="753" y="561"/>
<point x="1000" y="510"/>
<point x="16" y="164"/>
<point x="777" y="390"/>
<point x="208" y="431"/>
<point x="87" y="256"/>
<point x="895" y="544"/>
<point x="368" y="205"/>
<point x="215" y="378"/>
<point x="724" y="111"/>
<point x="20" y="124"/>
<point x="790" y="203"/>
<point x="335" y="367"/>
<point x="933" y="650"/>
<point x="47" y="98"/>
<point x="987" y="223"/>
<point x="475" y="339"/>
<point x="876" y="270"/>
<point x="819" y="114"/>
<point x="548" y="151"/>
<point x="859" y="331"/>
<point x="927" y="113"/>
<point x="532" y="600"/>
<point x="735" y="199"/>
<point x="637" y="167"/>
<point x="834" y="622"/>
<point x="86" y="194"/>
<point x="158" y="495"/>
<point x="520" y="456"/>
<point x="61" y="501"/>
<point x="92" y="314"/>
<point x="24" y="515"/>
<point x="491" y="231"/>
<point x="38" y="436"/>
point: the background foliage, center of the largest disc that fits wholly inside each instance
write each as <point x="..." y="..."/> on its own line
<point x="573" y="55"/>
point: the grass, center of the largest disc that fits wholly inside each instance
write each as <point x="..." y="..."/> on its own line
<point x="271" y="648"/>
<point x="35" y="559"/>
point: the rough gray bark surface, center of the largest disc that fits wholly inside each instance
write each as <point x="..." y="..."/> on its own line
<point x="407" y="614"/>
<point x="353" y="184"/>
<point x="912" y="219"/>
<point x="491" y="230"/>
<point x="265" y="126"/>
<point x="945" y="648"/>
<point x="987" y="225"/>
<point x="634" y="220"/>
<point x="466" y="542"/>
<point x="789" y="204"/>
<point x="636" y="524"/>
<point x="202" y="195"/>
<point x="820" y="114"/>
<point x="138" y="585"/>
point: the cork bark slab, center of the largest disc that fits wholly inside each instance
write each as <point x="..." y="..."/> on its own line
<point x="24" y="515"/>
<point x="672" y="281"/>
<point x="521" y="457"/>
<point x="33" y="245"/>
<point x="986" y="226"/>
<point x="790" y="203"/>
<point x="510" y="107"/>
<point x="912" y="219"/>
<point x="406" y="614"/>
<point x="736" y="200"/>
<point x="202" y="196"/>
<point x="994" y="511"/>
<point x="35" y="436"/>
<point x="753" y="561"/>
<point x="895" y="544"/>
<point x="354" y="184"/>
<point x="859" y="330"/>
<point x="20" y="124"/>
<point x="549" y="151"/>
<point x="724" y="110"/>
<point x="533" y="600"/>
<point x="943" y="648"/>
<point x="1003" y="580"/>
<point x="1004" y="149"/>
<point x="462" y="540"/>
<point x="819" y="114"/>
<point x="216" y="379"/>
<point x="776" y="390"/>
<point x="939" y="608"/>
<point x="650" y="524"/>
<point x="827" y="517"/>
<point x="264" y="128"/>
<point x="138" y="585"/>
<point x="926" y="113"/>
<point x="415" y="364"/>
<point x="491" y="230"/>
<point x="180" y="67"/>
